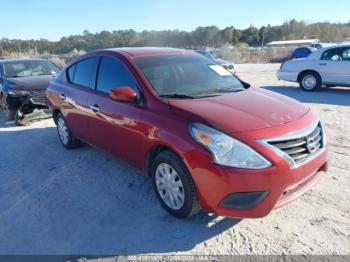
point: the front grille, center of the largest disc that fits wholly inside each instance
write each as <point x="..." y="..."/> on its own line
<point x="301" y="148"/>
<point x="38" y="98"/>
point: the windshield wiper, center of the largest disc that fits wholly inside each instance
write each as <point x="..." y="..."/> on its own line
<point x="224" y="90"/>
<point x="178" y="96"/>
<point x="218" y="91"/>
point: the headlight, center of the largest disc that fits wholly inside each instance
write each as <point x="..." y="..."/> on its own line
<point x="226" y="150"/>
<point x="324" y="135"/>
<point x="18" y="92"/>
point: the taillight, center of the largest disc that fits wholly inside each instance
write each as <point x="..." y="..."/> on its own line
<point x="282" y="64"/>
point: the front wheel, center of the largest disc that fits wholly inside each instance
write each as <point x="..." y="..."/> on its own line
<point x="19" y="118"/>
<point x="65" y="135"/>
<point x="174" y="186"/>
<point x="310" y="81"/>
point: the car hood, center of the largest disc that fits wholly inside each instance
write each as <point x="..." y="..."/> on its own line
<point x="251" y="109"/>
<point x="29" y="83"/>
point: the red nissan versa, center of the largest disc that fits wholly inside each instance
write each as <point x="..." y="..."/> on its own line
<point x="207" y="139"/>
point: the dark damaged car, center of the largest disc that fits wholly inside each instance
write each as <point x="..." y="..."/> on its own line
<point x="23" y="83"/>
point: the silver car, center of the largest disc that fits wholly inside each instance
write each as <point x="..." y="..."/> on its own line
<point x="229" y="66"/>
<point x="328" y="66"/>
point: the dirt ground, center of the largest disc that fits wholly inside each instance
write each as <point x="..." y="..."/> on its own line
<point x="54" y="201"/>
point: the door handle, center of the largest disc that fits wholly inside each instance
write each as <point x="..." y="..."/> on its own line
<point x="322" y="64"/>
<point x="95" y="108"/>
<point x="63" y="96"/>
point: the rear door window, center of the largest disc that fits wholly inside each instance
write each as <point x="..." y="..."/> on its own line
<point x="334" y="54"/>
<point x="346" y="54"/>
<point x="83" y="72"/>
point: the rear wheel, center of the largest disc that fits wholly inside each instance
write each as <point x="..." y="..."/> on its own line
<point x="65" y="135"/>
<point x="310" y="81"/>
<point x="9" y="113"/>
<point x="174" y="186"/>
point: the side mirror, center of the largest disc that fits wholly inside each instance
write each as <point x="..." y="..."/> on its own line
<point x="123" y="94"/>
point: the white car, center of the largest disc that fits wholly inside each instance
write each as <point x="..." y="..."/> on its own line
<point x="328" y="66"/>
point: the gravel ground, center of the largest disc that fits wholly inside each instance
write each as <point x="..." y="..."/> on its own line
<point x="54" y="201"/>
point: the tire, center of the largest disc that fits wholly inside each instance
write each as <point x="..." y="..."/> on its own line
<point x="19" y="119"/>
<point x="65" y="135"/>
<point x="9" y="113"/>
<point x="179" y="174"/>
<point x="310" y="81"/>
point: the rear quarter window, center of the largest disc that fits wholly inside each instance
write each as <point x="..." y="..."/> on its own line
<point x="70" y="73"/>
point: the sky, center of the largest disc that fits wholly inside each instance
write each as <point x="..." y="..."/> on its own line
<point x="51" y="20"/>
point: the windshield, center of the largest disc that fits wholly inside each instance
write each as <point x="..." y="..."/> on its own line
<point x="187" y="75"/>
<point x="29" y="68"/>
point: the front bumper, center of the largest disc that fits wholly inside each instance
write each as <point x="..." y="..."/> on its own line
<point x="259" y="191"/>
<point x="35" y="99"/>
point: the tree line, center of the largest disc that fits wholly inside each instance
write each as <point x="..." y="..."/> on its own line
<point x="202" y="36"/>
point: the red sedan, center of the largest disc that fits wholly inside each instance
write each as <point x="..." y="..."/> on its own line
<point x="207" y="139"/>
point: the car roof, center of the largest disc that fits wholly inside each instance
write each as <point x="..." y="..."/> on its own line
<point x="148" y="51"/>
<point x="8" y="60"/>
<point x="333" y="46"/>
<point x="336" y="46"/>
<point x="302" y="47"/>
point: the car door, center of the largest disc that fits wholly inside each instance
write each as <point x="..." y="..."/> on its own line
<point x="1" y="80"/>
<point x="346" y="61"/>
<point x="113" y="125"/>
<point x="334" y="66"/>
<point x="81" y="78"/>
